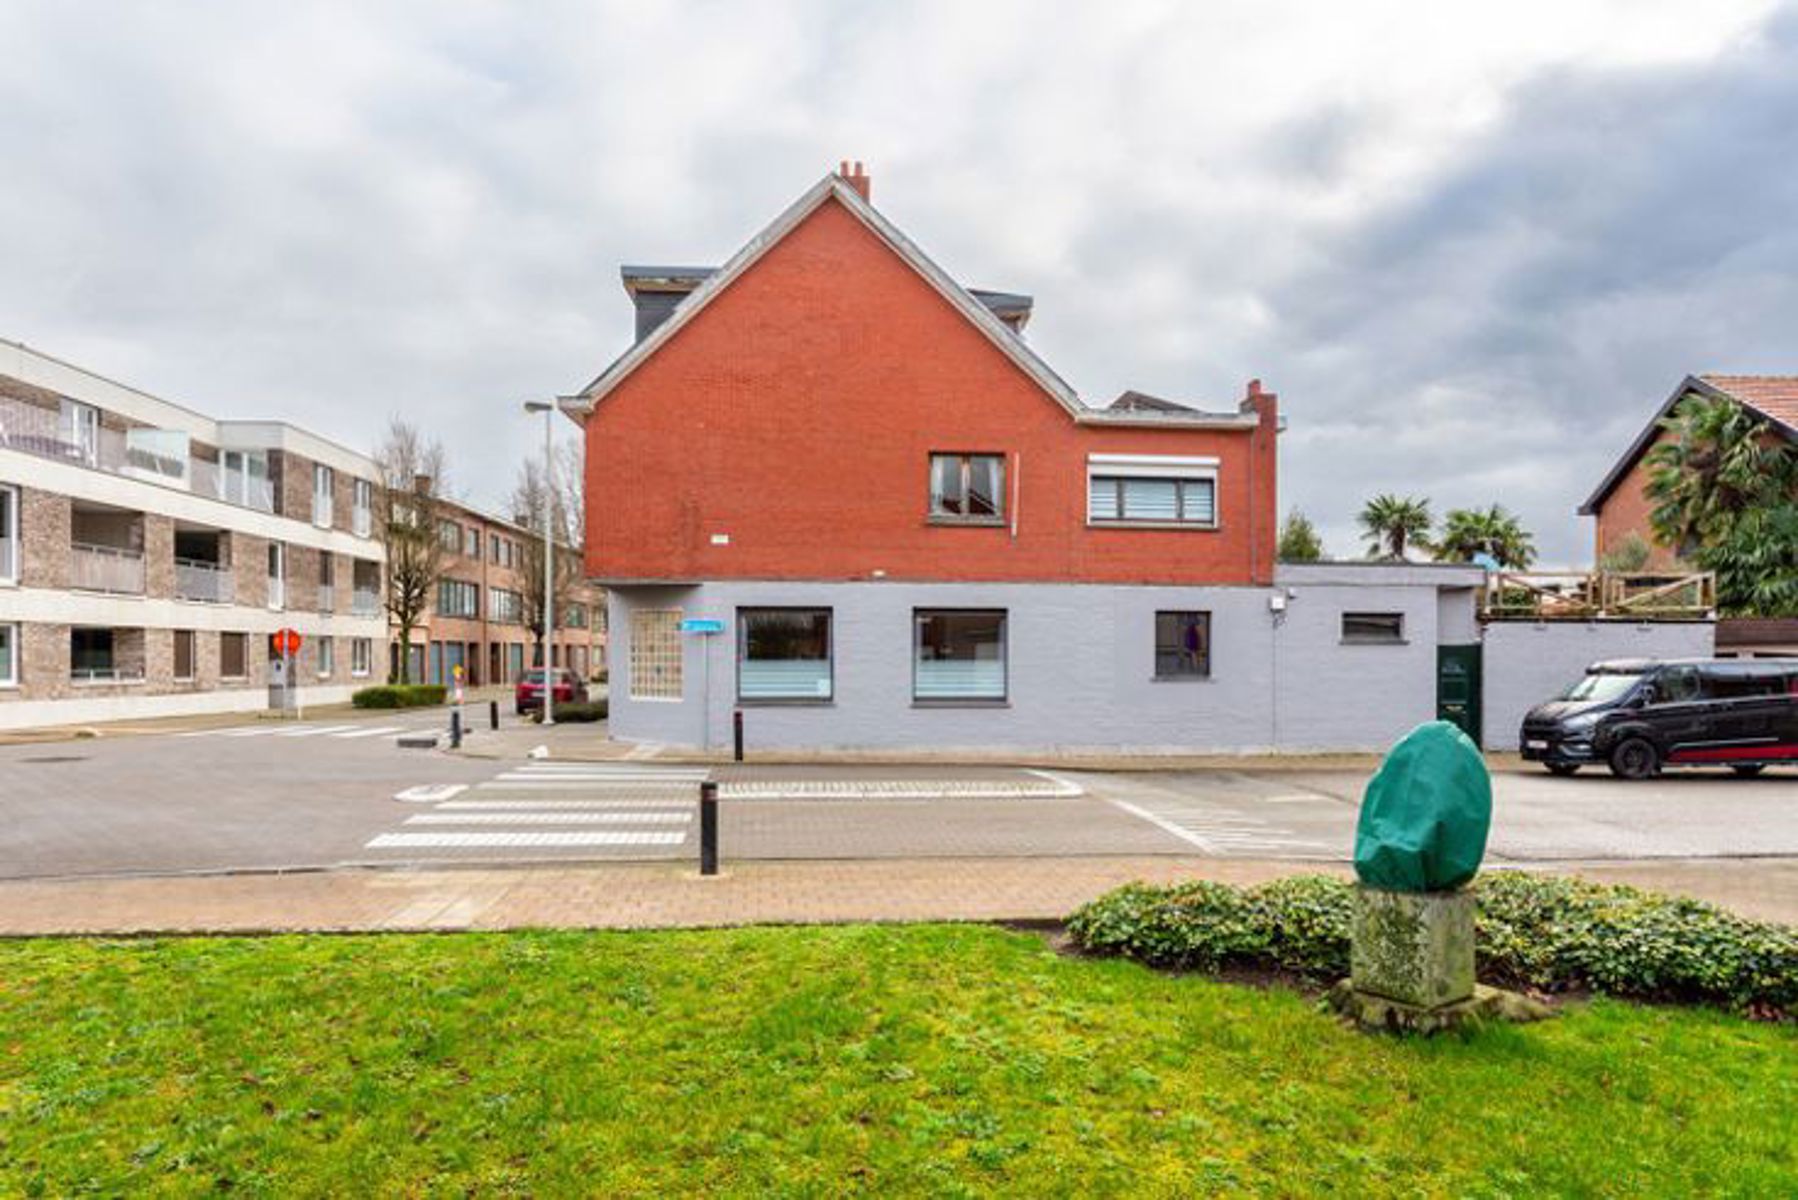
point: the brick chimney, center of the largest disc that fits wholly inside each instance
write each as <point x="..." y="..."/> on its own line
<point x="856" y="176"/>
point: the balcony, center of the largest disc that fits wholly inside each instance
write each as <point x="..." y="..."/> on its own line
<point x="106" y="569"/>
<point x="365" y="603"/>
<point x="156" y="456"/>
<point x="205" y="582"/>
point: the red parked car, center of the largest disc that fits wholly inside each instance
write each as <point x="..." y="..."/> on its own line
<point x="528" y="695"/>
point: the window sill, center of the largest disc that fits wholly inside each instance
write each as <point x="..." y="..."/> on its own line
<point x="1186" y="526"/>
<point x="970" y="703"/>
<point x="1181" y="679"/>
<point x="1374" y="642"/>
<point x="787" y="702"/>
<point x="965" y="522"/>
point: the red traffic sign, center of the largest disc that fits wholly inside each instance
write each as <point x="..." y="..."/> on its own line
<point x="286" y="643"/>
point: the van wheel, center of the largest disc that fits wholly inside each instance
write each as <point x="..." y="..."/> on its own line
<point x="1561" y="769"/>
<point x="1635" y="758"/>
<point x="1749" y="770"/>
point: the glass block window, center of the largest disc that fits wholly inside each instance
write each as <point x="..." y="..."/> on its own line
<point x="656" y="654"/>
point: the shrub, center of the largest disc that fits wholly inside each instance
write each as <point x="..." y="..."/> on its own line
<point x="399" y="695"/>
<point x="1546" y="932"/>
<point x="591" y="710"/>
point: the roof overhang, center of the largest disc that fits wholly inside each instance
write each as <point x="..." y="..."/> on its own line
<point x="1643" y="440"/>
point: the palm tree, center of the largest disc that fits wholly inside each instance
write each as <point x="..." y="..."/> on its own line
<point x="1492" y="531"/>
<point x="1709" y="465"/>
<point x="1393" y="524"/>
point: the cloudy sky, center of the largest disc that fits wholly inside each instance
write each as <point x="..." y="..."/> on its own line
<point x="1470" y="245"/>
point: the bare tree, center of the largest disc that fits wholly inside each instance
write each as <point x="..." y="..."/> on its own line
<point x="567" y="521"/>
<point x="410" y="495"/>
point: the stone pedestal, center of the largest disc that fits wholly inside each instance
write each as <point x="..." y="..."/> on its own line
<point x="1415" y="948"/>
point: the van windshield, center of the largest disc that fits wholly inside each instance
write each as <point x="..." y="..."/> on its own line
<point x="1602" y="688"/>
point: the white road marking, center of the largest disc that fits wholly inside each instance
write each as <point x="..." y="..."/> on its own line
<point x="430" y="793"/>
<point x="587" y="777"/>
<point x="316" y="730"/>
<point x="377" y="731"/>
<point x="515" y="840"/>
<point x="253" y="731"/>
<point x="1161" y="823"/>
<point x="551" y="818"/>
<point x="526" y="805"/>
<point x="595" y="786"/>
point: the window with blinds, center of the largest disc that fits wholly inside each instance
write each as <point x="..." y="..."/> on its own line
<point x="1151" y="489"/>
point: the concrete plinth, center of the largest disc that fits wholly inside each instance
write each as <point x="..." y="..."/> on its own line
<point x="1415" y="948"/>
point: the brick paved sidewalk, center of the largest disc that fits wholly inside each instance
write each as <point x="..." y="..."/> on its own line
<point x="673" y="896"/>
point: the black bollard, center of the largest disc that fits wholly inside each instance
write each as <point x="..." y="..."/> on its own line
<point x="708" y="828"/>
<point x="736" y="724"/>
<point x="493" y="714"/>
<point x="455" y="729"/>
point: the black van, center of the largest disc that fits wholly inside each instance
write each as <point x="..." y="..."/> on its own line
<point x="1639" y="715"/>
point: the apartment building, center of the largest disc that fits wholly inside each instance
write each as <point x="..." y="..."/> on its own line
<point x="844" y="494"/>
<point x="477" y="618"/>
<point x="148" y="553"/>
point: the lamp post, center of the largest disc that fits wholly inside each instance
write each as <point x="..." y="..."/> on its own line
<point x="548" y="410"/>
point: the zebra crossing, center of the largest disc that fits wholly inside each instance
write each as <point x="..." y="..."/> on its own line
<point x="630" y="807"/>
<point x="283" y="730"/>
<point x="1233" y="830"/>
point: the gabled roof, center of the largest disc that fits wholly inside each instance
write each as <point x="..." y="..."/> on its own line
<point x="978" y="314"/>
<point x="1774" y="397"/>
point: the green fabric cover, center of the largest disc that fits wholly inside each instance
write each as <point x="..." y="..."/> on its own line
<point x="1426" y="813"/>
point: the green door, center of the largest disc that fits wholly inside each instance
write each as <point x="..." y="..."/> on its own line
<point x="1458" y="687"/>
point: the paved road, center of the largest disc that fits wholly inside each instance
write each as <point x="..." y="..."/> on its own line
<point x="270" y="796"/>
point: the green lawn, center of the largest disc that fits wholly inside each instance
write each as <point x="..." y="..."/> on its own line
<point x="908" y="1059"/>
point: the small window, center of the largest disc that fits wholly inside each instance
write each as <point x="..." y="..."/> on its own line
<point x="327" y="657"/>
<point x="1182" y="645"/>
<point x="656" y="654"/>
<point x="958" y="655"/>
<point x="967" y="487"/>
<point x="9" y="656"/>
<point x="9" y="535"/>
<point x="1386" y="628"/>
<point x="184" y="656"/>
<point x="783" y="653"/>
<point x="449" y="536"/>
<point x="471" y="542"/>
<point x="234" y="656"/>
<point x="362" y="653"/>
<point x="493" y="547"/>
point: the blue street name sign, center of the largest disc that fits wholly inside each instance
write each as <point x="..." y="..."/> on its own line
<point x="701" y="625"/>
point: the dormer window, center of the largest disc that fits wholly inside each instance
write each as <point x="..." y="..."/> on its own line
<point x="967" y="489"/>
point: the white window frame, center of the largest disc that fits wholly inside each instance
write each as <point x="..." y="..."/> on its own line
<point x="11" y="564"/>
<point x="14" y="651"/>
<point x="326" y="656"/>
<point x="79" y="427"/>
<point x="1153" y="466"/>
<point x="362" y="657"/>
<point x="362" y="507"/>
<point x="277" y="578"/>
<point x="323" y="481"/>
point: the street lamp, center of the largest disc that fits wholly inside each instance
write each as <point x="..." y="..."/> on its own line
<point x="548" y="409"/>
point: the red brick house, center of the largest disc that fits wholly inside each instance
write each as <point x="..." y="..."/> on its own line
<point x="830" y="482"/>
<point x="1620" y="503"/>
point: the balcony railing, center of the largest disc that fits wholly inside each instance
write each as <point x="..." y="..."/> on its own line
<point x="106" y="674"/>
<point x="33" y="430"/>
<point x="204" y="581"/>
<point x="362" y="522"/>
<point x="365" y="602"/>
<point x="106" y="569"/>
<point x="327" y="598"/>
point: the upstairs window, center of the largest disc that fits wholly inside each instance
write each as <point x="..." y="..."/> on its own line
<point x="9" y="534"/>
<point x="449" y="536"/>
<point x="471" y="542"/>
<point x="362" y="508"/>
<point x="322" y="482"/>
<point x="968" y="488"/>
<point x="457" y="598"/>
<point x="1150" y="489"/>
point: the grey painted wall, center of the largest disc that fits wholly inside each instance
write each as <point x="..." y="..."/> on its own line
<point x="1081" y="668"/>
<point x="1526" y="663"/>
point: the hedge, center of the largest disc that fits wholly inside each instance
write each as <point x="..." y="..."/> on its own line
<point x="399" y="695"/>
<point x="1541" y="931"/>
<point x="591" y="710"/>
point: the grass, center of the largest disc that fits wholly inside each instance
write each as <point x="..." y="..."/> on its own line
<point x="923" y="1059"/>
